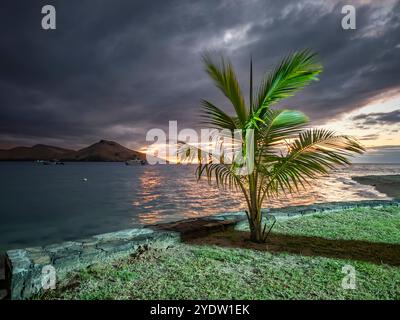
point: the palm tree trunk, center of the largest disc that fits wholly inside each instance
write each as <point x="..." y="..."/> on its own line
<point x="254" y="216"/>
<point x="255" y="223"/>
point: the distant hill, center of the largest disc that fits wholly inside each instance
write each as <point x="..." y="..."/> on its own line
<point x="104" y="151"/>
<point x="101" y="151"/>
<point x="37" y="152"/>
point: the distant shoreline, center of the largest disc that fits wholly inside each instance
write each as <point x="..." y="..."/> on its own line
<point x="102" y="151"/>
<point x="387" y="184"/>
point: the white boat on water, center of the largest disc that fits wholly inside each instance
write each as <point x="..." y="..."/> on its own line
<point x="135" y="162"/>
<point x="50" y="162"/>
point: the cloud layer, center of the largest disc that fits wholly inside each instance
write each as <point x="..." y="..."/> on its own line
<point x="378" y="118"/>
<point x="115" y="69"/>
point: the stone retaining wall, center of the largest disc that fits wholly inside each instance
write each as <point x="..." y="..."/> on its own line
<point x="26" y="265"/>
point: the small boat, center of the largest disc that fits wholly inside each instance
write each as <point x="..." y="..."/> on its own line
<point x="44" y="162"/>
<point x="50" y="162"/>
<point x="135" y="162"/>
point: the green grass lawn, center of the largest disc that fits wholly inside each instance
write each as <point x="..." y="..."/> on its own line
<point x="303" y="260"/>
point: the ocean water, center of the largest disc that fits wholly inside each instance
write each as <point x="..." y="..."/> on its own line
<point x="47" y="204"/>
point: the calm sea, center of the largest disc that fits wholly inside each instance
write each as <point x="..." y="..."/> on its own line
<point x="47" y="204"/>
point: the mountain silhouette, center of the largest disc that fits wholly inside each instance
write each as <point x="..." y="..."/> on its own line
<point x="101" y="151"/>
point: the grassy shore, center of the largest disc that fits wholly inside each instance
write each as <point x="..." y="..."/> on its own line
<point x="302" y="260"/>
<point x="388" y="184"/>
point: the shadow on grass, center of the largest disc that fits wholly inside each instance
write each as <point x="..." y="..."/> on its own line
<point x="378" y="253"/>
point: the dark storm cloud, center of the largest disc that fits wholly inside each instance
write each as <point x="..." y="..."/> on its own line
<point x="379" y="118"/>
<point x="114" y="69"/>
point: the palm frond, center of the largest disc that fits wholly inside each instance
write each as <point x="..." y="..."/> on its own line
<point x="280" y="125"/>
<point x="225" y="79"/>
<point x="315" y="152"/>
<point x="292" y="74"/>
<point x="222" y="174"/>
<point x="216" y="117"/>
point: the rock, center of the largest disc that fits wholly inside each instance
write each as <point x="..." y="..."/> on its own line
<point x="66" y="260"/>
<point x="90" y="254"/>
<point x="40" y="258"/>
<point x="115" y="246"/>
<point x="124" y="234"/>
<point x="65" y="246"/>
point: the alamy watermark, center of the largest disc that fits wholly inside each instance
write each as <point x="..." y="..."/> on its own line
<point x="205" y="146"/>
<point x="349" y="20"/>
<point x="49" y="277"/>
<point x="349" y="280"/>
<point x="49" y="18"/>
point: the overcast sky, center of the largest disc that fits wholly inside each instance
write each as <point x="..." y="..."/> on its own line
<point x="115" y="69"/>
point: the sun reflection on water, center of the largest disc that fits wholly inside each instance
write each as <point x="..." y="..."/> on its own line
<point x="170" y="193"/>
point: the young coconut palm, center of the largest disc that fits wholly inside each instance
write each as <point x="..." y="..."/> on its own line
<point x="286" y="154"/>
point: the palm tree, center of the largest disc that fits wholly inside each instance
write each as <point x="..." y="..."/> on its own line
<point x="287" y="156"/>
